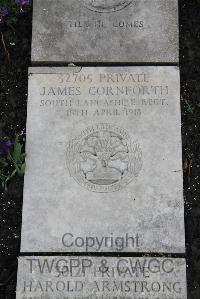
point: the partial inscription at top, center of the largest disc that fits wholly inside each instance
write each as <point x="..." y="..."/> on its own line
<point x="106" y="5"/>
<point x="105" y="31"/>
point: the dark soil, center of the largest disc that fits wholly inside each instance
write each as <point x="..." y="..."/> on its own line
<point x="13" y="99"/>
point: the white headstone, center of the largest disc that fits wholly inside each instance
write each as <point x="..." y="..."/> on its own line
<point x="104" y="167"/>
<point x="105" y="31"/>
<point x="100" y="277"/>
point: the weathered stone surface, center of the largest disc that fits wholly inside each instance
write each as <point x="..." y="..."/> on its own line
<point x="100" y="277"/>
<point x="104" y="165"/>
<point x="105" y="31"/>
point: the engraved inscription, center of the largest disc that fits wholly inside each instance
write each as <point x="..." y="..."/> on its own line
<point x="101" y="278"/>
<point x="103" y="158"/>
<point x="106" y="6"/>
<point x="100" y="24"/>
<point x="86" y="95"/>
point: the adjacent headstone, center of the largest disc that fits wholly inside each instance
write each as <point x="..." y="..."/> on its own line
<point x="104" y="167"/>
<point x="99" y="277"/>
<point x="105" y="31"/>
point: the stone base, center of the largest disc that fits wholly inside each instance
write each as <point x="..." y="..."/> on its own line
<point x="73" y="277"/>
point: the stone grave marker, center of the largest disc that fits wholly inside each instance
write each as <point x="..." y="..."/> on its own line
<point x="104" y="167"/>
<point x="104" y="163"/>
<point x="101" y="277"/>
<point x="112" y="31"/>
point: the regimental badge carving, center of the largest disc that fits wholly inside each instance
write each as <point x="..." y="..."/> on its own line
<point x="103" y="158"/>
<point x="106" y="5"/>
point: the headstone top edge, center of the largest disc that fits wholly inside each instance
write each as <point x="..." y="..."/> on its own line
<point x="63" y="69"/>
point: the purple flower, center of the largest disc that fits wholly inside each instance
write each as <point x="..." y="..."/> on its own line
<point x="5" y="145"/>
<point x="3" y="11"/>
<point x="22" y="2"/>
<point x="25" y="2"/>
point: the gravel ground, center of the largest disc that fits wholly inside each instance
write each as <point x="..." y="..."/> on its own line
<point x="13" y="99"/>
